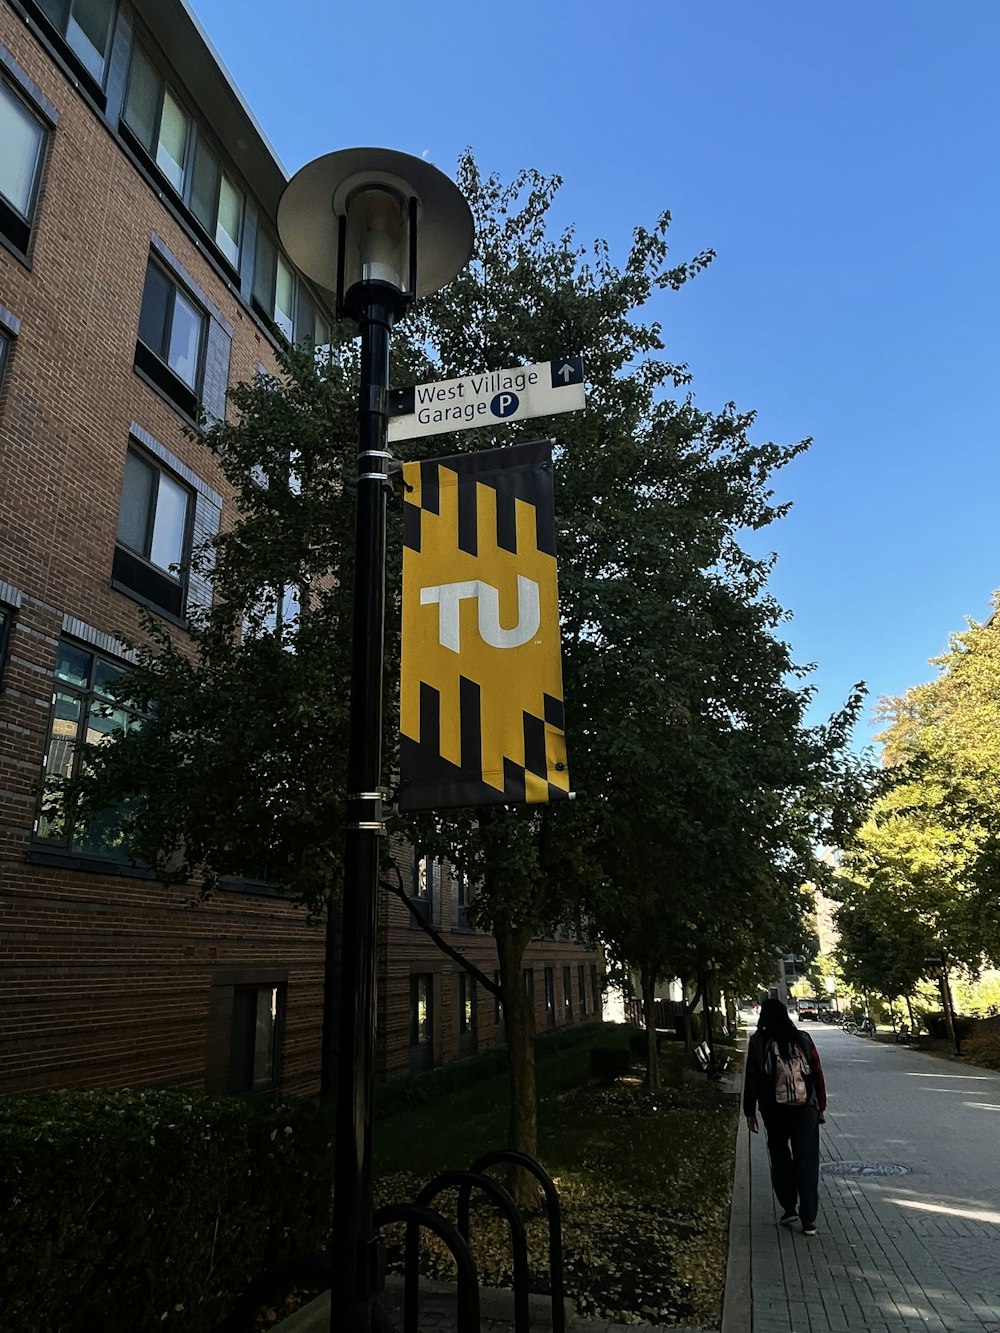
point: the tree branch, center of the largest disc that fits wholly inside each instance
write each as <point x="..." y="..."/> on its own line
<point x="398" y="891"/>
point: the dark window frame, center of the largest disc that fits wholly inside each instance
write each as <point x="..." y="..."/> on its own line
<point x="581" y="986"/>
<point x="242" y="1053"/>
<point x="7" y="341"/>
<point x="17" y="229"/>
<point x="48" y="28"/>
<point x="567" y="993"/>
<point x="158" y="588"/>
<point x="149" y="362"/>
<point x="67" y="844"/>
<point x="6" y="626"/>
<point x="550" y="995"/>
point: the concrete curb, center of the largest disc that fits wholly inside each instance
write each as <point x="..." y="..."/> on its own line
<point x="737" y="1300"/>
<point x="496" y="1305"/>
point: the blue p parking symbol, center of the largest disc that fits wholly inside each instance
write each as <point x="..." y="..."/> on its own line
<point x="505" y="404"/>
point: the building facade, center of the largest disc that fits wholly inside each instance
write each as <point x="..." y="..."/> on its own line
<point x="140" y="276"/>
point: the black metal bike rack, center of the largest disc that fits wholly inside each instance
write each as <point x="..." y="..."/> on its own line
<point x="418" y="1214"/>
<point x="554" y="1213"/>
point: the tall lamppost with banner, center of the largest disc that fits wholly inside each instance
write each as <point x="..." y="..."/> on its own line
<point x="378" y="228"/>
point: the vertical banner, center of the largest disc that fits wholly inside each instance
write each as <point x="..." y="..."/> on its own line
<point x="481" y="701"/>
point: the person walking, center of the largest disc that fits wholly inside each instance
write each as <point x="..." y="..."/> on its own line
<point x="784" y="1077"/>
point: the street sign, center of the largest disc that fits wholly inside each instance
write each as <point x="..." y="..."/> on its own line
<point x="488" y="399"/>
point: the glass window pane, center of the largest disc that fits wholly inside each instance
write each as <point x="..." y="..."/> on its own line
<point x="55" y="11"/>
<point x="155" y="314"/>
<point x="170" y="523"/>
<point x="88" y="31"/>
<point x="143" y="102"/>
<point x="136" y="507"/>
<point x="102" y="720"/>
<point x="305" y="324"/>
<point x="185" y="339"/>
<point x="227" y="233"/>
<point x="104" y="674"/>
<point x="322" y="334"/>
<point x="172" y="141"/>
<point x="66" y="712"/>
<point x="205" y="186"/>
<point x="284" y="298"/>
<point x="263" y="271"/>
<point x="22" y="138"/>
<point x="74" y="665"/>
<point x="263" y="1044"/>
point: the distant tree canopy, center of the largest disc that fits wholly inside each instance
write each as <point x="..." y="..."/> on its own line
<point x="920" y="878"/>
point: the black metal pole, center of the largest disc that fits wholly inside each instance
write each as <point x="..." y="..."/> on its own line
<point x="375" y="306"/>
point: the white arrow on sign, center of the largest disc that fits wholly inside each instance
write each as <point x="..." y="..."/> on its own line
<point x="489" y="399"/>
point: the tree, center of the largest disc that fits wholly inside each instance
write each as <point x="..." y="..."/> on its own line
<point x="239" y="766"/>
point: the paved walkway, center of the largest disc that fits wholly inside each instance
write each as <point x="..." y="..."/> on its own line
<point x="914" y="1253"/>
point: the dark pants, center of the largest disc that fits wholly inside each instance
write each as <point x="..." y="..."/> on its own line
<point x="793" y="1146"/>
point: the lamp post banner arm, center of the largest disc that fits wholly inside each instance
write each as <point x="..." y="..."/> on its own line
<point x="481" y="694"/>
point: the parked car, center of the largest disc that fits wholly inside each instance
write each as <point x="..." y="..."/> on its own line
<point x="807" y="1012"/>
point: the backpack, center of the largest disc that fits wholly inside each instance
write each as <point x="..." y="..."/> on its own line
<point x="790" y="1079"/>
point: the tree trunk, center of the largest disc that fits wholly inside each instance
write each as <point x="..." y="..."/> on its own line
<point x="949" y="1012"/>
<point x="688" y="1025"/>
<point x="519" y="1021"/>
<point x="909" y="1010"/>
<point x="647" y="981"/>
<point x="706" y="1000"/>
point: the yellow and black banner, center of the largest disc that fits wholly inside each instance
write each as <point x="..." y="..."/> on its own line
<point x="481" y="701"/>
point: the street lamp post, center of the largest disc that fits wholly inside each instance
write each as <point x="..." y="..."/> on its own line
<point x="377" y="228"/>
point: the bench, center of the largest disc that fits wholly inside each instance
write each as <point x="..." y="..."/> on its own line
<point x="714" y="1068"/>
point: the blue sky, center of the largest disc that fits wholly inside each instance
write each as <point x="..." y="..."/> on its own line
<point x="842" y="159"/>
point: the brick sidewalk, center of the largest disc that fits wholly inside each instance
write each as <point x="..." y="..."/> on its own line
<point x="914" y="1253"/>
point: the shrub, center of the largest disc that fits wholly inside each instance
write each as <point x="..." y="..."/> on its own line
<point x="609" y="1062"/>
<point x="131" y="1211"/>
<point x="638" y="1042"/>
<point x="406" y="1094"/>
<point x="983" y="1048"/>
<point x="937" y="1025"/>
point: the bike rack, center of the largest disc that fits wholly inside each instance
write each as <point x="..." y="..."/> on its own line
<point x="416" y="1215"/>
<point x="419" y="1214"/>
<point x="554" y="1213"/>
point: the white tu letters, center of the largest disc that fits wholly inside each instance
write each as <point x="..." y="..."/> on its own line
<point x="447" y="596"/>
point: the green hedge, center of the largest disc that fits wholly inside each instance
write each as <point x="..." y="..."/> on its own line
<point x="405" y="1094"/>
<point x="138" y="1210"/>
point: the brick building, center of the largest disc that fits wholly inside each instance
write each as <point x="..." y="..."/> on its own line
<point x="140" y="275"/>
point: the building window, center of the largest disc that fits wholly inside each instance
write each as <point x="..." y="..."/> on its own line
<point x="217" y="203"/>
<point x="422" y="887"/>
<point x="258" y="1013"/>
<point x="153" y="534"/>
<point x="83" y="715"/>
<point x="171" y="339"/>
<point x="568" y="994"/>
<point x="282" y="298"/>
<point x="4" y="355"/>
<point x="462" y="900"/>
<point x="86" y="27"/>
<point x="274" y="286"/>
<point x="466" y="1014"/>
<point x="550" y="996"/>
<point x="595" y="988"/>
<point x="175" y="143"/>
<point x="581" y="988"/>
<point x="23" y="137"/>
<point x="5" y="623"/>
<point x="528" y="976"/>
<point x="421" y="1022"/>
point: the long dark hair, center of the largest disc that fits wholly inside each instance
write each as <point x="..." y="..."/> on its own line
<point x="775" y="1024"/>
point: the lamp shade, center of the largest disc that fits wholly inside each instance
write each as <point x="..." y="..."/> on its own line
<point x="372" y="188"/>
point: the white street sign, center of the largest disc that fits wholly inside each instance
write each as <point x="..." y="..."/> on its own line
<point x="488" y="399"/>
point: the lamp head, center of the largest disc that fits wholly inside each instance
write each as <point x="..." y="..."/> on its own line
<point x="365" y="216"/>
